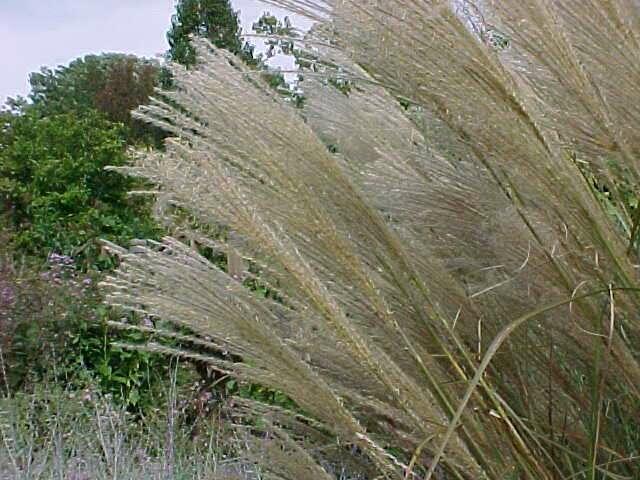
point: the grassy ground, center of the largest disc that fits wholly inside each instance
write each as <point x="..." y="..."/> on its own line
<point x="80" y="435"/>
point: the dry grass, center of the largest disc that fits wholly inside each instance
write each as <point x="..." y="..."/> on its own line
<point x="447" y="284"/>
<point x="52" y="433"/>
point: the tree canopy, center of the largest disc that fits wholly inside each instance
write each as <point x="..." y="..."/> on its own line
<point x="112" y="84"/>
<point x="57" y="194"/>
<point x="214" y="19"/>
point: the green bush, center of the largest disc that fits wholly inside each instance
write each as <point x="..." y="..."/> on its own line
<point x="55" y="330"/>
<point x="58" y="196"/>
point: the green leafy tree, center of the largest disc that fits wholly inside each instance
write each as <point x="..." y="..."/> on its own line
<point x="213" y="19"/>
<point x="53" y="151"/>
<point x="57" y="193"/>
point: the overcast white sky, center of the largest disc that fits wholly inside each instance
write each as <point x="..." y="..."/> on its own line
<point x="34" y="33"/>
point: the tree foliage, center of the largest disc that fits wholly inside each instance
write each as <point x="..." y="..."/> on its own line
<point x="58" y="201"/>
<point x="54" y="186"/>
<point x="54" y="148"/>
<point x="112" y="84"/>
<point x="211" y="19"/>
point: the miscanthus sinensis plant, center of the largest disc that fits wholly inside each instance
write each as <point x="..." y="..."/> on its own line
<point x="453" y="284"/>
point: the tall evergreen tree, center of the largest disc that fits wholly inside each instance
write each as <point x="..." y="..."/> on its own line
<point x="213" y="19"/>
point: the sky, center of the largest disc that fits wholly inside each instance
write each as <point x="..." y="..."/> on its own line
<point x="35" y="33"/>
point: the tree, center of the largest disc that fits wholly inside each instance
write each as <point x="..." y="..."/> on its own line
<point x="53" y="183"/>
<point x="113" y="84"/>
<point x="212" y="19"/>
<point x="129" y="82"/>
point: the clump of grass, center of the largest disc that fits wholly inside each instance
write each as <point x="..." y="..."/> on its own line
<point x="451" y="296"/>
<point x="80" y="434"/>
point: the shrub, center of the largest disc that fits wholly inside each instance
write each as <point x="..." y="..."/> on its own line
<point x="58" y="195"/>
<point x="54" y="330"/>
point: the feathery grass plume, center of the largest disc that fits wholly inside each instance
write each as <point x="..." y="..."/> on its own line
<point x="396" y="256"/>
